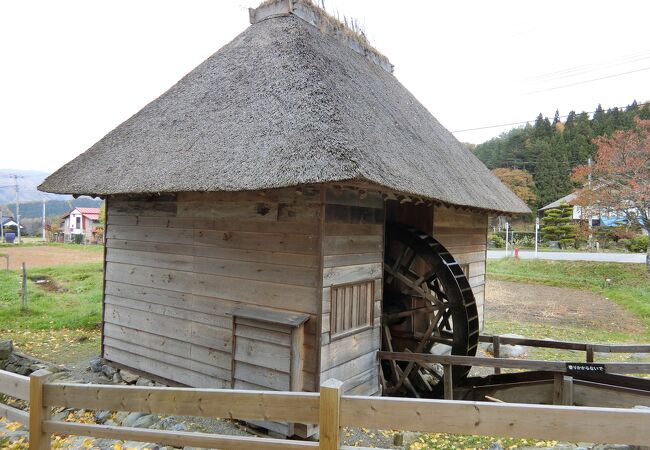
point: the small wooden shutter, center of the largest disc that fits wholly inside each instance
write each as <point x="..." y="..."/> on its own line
<point x="351" y="308"/>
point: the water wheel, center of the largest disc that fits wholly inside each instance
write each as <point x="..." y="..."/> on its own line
<point x="428" y="307"/>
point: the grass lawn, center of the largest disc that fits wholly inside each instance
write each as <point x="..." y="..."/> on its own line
<point x="626" y="284"/>
<point x="39" y="243"/>
<point x="62" y="317"/>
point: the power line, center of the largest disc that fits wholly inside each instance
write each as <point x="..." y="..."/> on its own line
<point x="586" y="68"/>
<point x="523" y="122"/>
<point x="589" y="81"/>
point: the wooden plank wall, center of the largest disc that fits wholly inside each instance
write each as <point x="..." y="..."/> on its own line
<point x="464" y="234"/>
<point x="177" y="266"/>
<point x="352" y="250"/>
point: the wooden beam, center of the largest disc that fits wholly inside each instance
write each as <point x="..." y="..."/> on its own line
<point x="39" y="439"/>
<point x="175" y="438"/>
<point x="572" y="424"/>
<point x="449" y="381"/>
<point x="330" y="409"/>
<point x="14" y="385"/>
<point x="14" y="414"/>
<point x="222" y="403"/>
<point x="529" y="364"/>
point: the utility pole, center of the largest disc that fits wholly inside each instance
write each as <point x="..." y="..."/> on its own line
<point x="15" y="177"/>
<point x="589" y="215"/>
<point x="43" y="220"/>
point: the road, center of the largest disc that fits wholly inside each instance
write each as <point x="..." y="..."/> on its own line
<point x="574" y="256"/>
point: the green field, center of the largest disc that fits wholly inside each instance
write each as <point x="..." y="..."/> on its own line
<point x="61" y="321"/>
<point x="626" y="284"/>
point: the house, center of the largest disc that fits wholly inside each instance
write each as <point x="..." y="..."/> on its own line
<point x="9" y="225"/>
<point x="282" y="210"/>
<point x="600" y="216"/>
<point x="79" y="226"/>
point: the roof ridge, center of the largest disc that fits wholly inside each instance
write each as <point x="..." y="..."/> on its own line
<point x="328" y="24"/>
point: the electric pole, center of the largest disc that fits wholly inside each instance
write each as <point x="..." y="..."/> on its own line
<point x="589" y="215"/>
<point x="43" y="220"/>
<point x="15" y="177"/>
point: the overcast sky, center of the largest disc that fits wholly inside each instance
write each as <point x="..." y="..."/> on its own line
<point x="73" y="70"/>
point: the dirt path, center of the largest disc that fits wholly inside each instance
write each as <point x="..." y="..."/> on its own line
<point x="535" y="303"/>
<point x="47" y="256"/>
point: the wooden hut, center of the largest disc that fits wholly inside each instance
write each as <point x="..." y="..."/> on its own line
<point x="247" y="210"/>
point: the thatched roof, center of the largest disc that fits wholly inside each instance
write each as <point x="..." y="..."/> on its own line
<point x="285" y="104"/>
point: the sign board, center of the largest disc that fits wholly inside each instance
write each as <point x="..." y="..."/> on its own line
<point x="584" y="368"/>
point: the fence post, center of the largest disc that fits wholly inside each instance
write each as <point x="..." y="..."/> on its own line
<point x="38" y="440"/>
<point x="496" y="351"/>
<point x="590" y="353"/>
<point x="449" y="381"/>
<point x="567" y="391"/>
<point x="330" y="414"/>
<point x="23" y="304"/>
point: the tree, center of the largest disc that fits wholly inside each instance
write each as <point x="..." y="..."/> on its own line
<point x="557" y="226"/>
<point x="621" y="175"/>
<point x="520" y="182"/>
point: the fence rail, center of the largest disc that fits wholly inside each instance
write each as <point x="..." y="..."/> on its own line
<point x="329" y="409"/>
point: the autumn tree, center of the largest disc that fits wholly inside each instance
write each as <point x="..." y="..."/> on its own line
<point x="620" y="176"/>
<point x="520" y="182"/>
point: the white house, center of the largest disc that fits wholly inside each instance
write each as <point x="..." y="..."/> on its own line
<point x="80" y="224"/>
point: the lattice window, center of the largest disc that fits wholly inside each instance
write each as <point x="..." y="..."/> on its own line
<point x="351" y="308"/>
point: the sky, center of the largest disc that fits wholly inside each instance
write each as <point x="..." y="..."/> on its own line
<point x="71" y="71"/>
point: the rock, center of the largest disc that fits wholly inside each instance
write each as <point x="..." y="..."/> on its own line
<point x="564" y="446"/>
<point x="10" y="368"/>
<point x="102" y="416"/>
<point x="132" y="418"/>
<point x="495" y="446"/>
<point x="144" y="382"/>
<point x="111" y="423"/>
<point x="22" y="370"/>
<point x="179" y="427"/>
<point x="96" y="364"/>
<point x="509" y="351"/>
<point x="108" y="371"/>
<point x="37" y="366"/>
<point x="121" y="416"/>
<point x="132" y="445"/>
<point x="405" y="438"/>
<point x="612" y="447"/>
<point x="104" y="443"/>
<point x="6" y="349"/>
<point x="145" y="421"/>
<point x="128" y="376"/>
<point x="117" y="379"/>
<point x="60" y="416"/>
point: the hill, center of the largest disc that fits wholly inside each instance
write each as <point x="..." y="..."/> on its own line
<point x="550" y="150"/>
<point x="27" y="184"/>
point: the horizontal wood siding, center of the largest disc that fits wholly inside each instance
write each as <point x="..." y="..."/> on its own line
<point x="177" y="266"/>
<point x="464" y="234"/>
<point x="352" y="250"/>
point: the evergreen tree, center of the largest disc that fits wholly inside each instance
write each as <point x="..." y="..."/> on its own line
<point x="556" y="118"/>
<point x="557" y="226"/>
<point x="549" y="151"/>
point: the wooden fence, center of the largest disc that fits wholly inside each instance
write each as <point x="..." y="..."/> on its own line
<point x="559" y="368"/>
<point x="328" y="408"/>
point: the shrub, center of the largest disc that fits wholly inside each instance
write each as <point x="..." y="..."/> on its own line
<point x="624" y="243"/>
<point x="524" y="242"/>
<point x="497" y="240"/>
<point x="638" y="244"/>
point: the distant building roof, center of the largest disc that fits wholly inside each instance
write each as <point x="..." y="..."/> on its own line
<point x="89" y="213"/>
<point x="566" y="199"/>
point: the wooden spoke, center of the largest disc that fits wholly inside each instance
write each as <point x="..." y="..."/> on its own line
<point x="424" y="306"/>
